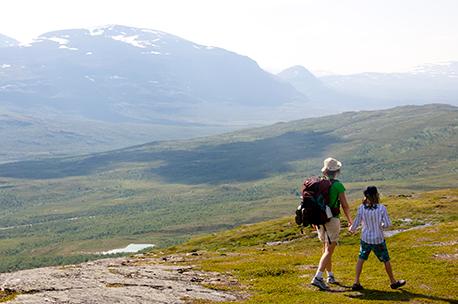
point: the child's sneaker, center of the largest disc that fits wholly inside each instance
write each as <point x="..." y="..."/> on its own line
<point x="319" y="282"/>
<point x="331" y="280"/>
<point x="356" y="287"/>
<point x="398" y="284"/>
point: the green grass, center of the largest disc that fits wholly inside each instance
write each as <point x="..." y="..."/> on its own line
<point x="7" y="295"/>
<point x="67" y="209"/>
<point x="426" y="258"/>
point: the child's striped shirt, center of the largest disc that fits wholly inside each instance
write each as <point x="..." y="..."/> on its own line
<point x="373" y="221"/>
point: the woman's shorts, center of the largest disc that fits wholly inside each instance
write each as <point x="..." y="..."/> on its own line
<point x="380" y="250"/>
<point x="332" y="230"/>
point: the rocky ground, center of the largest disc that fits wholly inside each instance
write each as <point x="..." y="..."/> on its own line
<point x="120" y="280"/>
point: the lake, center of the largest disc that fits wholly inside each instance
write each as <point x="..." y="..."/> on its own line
<point x="131" y="248"/>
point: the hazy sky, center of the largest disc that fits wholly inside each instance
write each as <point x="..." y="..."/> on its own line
<point x="342" y="36"/>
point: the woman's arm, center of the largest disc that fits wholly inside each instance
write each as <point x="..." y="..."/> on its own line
<point x="345" y="207"/>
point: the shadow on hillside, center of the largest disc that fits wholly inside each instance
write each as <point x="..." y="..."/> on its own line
<point x="239" y="161"/>
<point x="242" y="161"/>
<point x="398" y="296"/>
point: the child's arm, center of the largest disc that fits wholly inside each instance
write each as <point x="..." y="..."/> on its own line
<point x="357" y="222"/>
<point x="385" y="218"/>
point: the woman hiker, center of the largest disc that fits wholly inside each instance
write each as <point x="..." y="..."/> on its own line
<point x="329" y="235"/>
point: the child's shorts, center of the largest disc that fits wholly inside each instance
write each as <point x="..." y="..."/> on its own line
<point x="380" y="250"/>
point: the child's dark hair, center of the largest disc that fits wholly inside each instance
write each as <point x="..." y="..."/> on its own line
<point x="371" y="197"/>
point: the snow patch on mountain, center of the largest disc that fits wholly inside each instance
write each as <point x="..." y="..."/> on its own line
<point x="7" y="87"/>
<point x="152" y="52"/>
<point x="26" y="44"/>
<point x="449" y="69"/>
<point x="117" y="77"/>
<point x="60" y="41"/>
<point x="158" y="33"/>
<point x="133" y="40"/>
<point x="89" y="78"/>
<point x="98" y="30"/>
<point x="68" y="48"/>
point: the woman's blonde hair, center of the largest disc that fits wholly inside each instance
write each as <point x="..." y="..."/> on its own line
<point x="331" y="174"/>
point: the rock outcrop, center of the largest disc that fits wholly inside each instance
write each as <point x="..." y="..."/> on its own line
<point x="120" y="280"/>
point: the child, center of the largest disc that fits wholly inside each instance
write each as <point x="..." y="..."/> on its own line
<point x="374" y="218"/>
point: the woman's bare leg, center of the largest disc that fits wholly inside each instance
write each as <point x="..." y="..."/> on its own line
<point x="325" y="261"/>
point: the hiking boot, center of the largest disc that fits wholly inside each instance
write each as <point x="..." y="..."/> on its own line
<point x="319" y="282"/>
<point x="398" y="284"/>
<point x="331" y="280"/>
<point x="356" y="287"/>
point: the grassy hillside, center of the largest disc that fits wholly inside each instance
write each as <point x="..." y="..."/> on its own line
<point x="379" y="144"/>
<point x="37" y="135"/>
<point x="274" y="263"/>
<point x="62" y="210"/>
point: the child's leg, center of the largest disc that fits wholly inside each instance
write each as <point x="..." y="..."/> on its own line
<point x="359" y="269"/>
<point x="381" y="251"/>
<point x="364" y="251"/>
<point x="389" y="271"/>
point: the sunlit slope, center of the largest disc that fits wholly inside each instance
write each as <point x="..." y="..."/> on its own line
<point x="274" y="262"/>
<point x="61" y="210"/>
<point x="399" y="142"/>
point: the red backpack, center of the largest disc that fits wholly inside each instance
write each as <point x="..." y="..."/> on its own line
<point x="314" y="200"/>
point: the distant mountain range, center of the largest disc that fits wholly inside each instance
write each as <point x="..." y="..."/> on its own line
<point x="125" y="74"/>
<point x="329" y="99"/>
<point x="428" y="83"/>
<point x="116" y="86"/>
<point x="425" y="84"/>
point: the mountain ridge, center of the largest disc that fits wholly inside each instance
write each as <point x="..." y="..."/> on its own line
<point x="6" y="41"/>
<point x="423" y="84"/>
<point x="129" y="85"/>
<point x="139" y="74"/>
<point x="431" y="83"/>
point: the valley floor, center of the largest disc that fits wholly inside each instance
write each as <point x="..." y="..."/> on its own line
<point x="269" y="262"/>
